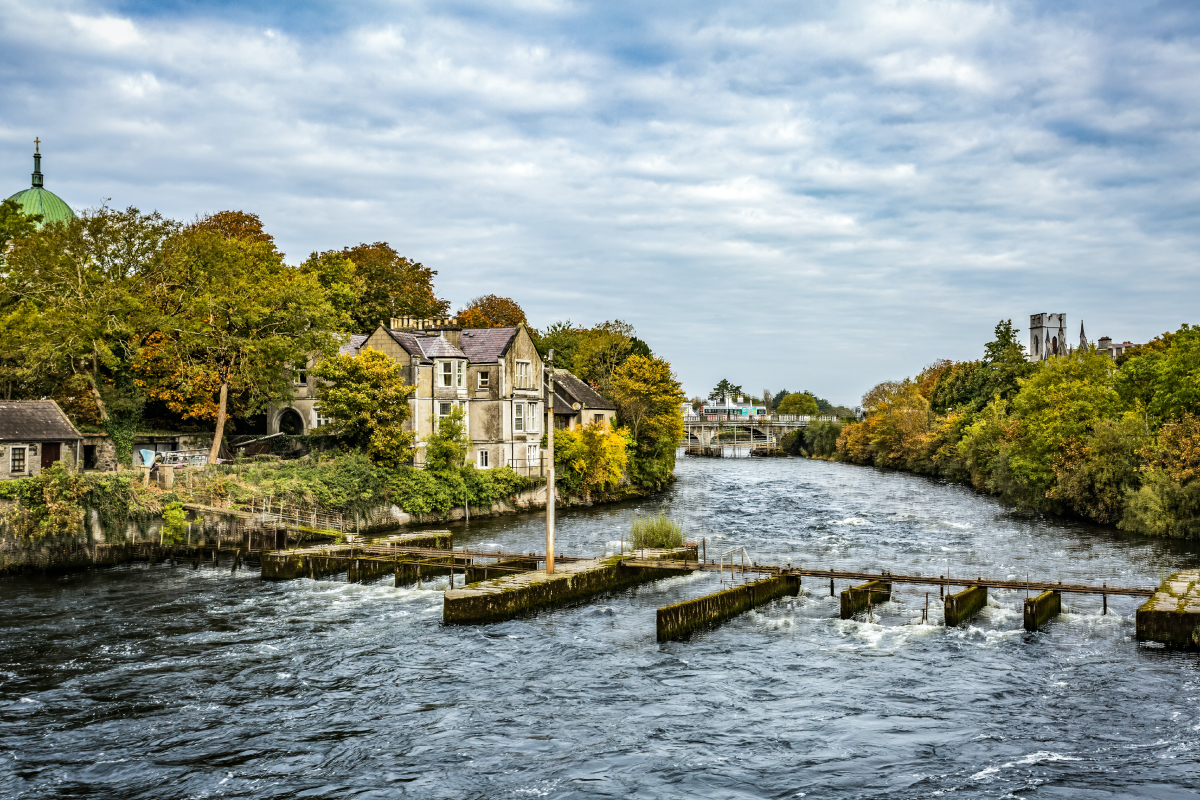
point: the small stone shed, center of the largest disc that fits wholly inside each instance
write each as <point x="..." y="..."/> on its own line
<point x="33" y="435"/>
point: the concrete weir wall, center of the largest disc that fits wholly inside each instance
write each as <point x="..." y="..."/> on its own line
<point x="1172" y="615"/>
<point x="511" y="596"/>
<point x="856" y="599"/>
<point x="679" y="620"/>
<point x="964" y="605"/>
<point x="285" y="565"/>
<point x="1041" y="609"/>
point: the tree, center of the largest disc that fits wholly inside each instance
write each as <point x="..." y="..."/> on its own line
<point x="725" y="388"/>
<point x="801" y="403"/>
<point x="601" y="350"/>
<point x="83" y="283"/>
<point x="233" y="309"/>
<point x="367" y="399"/>
<point x="490" y="311"/>
<point x="394" y="286"/>
<point x="339" y="277"/>
<point x="447" y="447"/>
<point x="647" y="396"/>
<point x="240" y="225"/>
<point x="591" y="457"/>
<point x="14" y="224"/>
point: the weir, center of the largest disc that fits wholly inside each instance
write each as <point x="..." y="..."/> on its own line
<point x="1041" y="609"/>
<point x="961" y="607"/>
<point x="1172" y="614"/>
<point x="859" y="599"/>
<point x="681" y="619"/>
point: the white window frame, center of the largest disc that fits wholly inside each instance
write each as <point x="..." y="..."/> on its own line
<point x="319" y="420"/>
<point x="460" y="374"/>
<point x="518" y="417"/>
<point x="444" y="409"/>
<point x="482" y="459"/>
<point x="533" y="455"/>
<point x="524" y="377"/>
<point x="12" y="460"/>
<point x="531" y="415"/>
<point x="484" y="379"/>
<point x="447" y="373"/>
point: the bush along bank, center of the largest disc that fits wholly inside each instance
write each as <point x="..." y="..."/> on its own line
<point x="1116" y="442"/>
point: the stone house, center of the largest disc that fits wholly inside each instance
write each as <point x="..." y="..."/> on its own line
<point x="493" y="374"/>
<point x="33" y="435"/>
<point x="576" y="403"/>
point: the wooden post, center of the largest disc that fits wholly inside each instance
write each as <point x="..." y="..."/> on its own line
<point x="831" y="587"/>
<point x="549" y="469"/>
<point x="1105" y="599"/>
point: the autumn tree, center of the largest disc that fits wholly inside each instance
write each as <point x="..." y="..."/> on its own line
<point x="344" y="287"/>
<point x="231" y="309"/>
<point x="14" y="224"/>
<point x="240" y="225"/>
<point x="648" y="396"/>
<point x="366" y="397"/>
<point x="393" y="286"/>
<point x="491" y="311"/>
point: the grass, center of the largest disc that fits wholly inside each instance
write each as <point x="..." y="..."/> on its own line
<point x="656" y="530"/>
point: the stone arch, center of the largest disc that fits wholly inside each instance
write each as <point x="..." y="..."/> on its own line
<point x="290" y="421"/>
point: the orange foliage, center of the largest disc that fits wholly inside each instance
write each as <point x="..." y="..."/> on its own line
<point x="491" y="311"/>
<point x="188" y="389"/>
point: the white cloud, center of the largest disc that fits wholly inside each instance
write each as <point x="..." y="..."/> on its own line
<point x="867" y="186"/>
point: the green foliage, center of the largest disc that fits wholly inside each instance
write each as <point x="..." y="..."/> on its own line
<point x="392" y="286"/>
<point x="14" y="224"/>
<point x="56" y="501"/>
<point x="174" y="523"/>
<point x="801" y="403"/>
<point x="447" y="447"/>
<point x="655" y="530"/>
<point x="367" y="399"/>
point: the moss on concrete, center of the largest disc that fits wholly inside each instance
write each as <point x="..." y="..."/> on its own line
<point x="964" y="605"/>
<point x="855" y="600"/>
<point x="1041" y="609"/>
<point x="1172" y="615"/>
<point x="681" y="619"/>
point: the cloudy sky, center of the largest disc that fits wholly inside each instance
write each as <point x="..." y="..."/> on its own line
<point x="802" y="195"/>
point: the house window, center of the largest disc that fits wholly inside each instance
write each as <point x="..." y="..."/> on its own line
<point x="531" y="422"/>
<point x="447" y="374"/>
<point x="17" y="459"/>
<point x="321" y="419"/>
<point x="524" y="377"/>
<point x="532" y="456"/>
<point x="444" y="409"/>
<point x="519" y="417"/>
<point x="598" y="419"/>
<point x="301" y="375"/>
<point x="484" y="379"/>
<point x="460" y="374"/>
<point x="483" y="459"/>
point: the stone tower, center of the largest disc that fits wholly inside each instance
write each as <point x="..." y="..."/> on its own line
<point x="1047" y="336"/>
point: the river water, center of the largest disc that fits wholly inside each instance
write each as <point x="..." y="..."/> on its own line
<point x="160" y="682"/>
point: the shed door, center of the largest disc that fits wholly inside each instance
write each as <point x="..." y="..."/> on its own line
<point x="50" y="453"/>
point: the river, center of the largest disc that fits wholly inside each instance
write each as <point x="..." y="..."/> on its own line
<point x="159" y="682"/>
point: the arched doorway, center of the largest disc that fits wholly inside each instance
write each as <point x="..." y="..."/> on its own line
<point x="290" y="422"/>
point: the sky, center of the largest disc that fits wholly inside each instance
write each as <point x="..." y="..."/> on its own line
<point x="799" y="195"/>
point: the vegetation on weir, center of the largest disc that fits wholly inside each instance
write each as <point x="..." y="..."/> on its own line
<point x="1117" y="442"/>
<point x="655" y="530"/>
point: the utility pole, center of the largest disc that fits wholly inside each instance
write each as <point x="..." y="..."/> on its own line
<point x="550" y="468"/>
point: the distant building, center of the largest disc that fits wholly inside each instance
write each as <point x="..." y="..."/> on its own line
<point x="1106" y="345"/>
<point x="33" y="435"/>
<point x="730" y="408"/>
<point x="37" y="200"/>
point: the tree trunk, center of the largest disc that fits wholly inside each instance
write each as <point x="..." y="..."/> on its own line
<point x="220" y="432"/>
<point x="99" y="400"/>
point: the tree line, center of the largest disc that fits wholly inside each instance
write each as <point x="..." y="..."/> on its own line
<point x="1114" y="441"/>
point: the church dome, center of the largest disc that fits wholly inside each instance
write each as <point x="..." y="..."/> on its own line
<point x="37" y="200"/>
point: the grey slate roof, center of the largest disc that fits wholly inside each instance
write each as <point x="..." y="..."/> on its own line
<point x="566" y="383"/>
<point x="486" y="345"/>
<point x="426" y="348"/>
<point x="35" y="421"/>
<point x="351" y="346"/>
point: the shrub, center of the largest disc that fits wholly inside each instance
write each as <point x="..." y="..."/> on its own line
<point x="656" y="530"/>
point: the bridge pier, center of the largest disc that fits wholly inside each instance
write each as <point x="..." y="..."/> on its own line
<point x="857" y="599"/>
<point x="964" y="605"/>
<point x="1041" y="609"/>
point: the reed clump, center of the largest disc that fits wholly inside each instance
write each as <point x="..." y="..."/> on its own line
<point x="656" y="530"/>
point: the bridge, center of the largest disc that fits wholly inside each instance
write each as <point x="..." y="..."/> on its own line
<point x="729" y="437"/>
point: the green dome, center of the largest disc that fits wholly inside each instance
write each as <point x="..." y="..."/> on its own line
<point x="48" y="204"/>
<point x="36" y="200"/>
